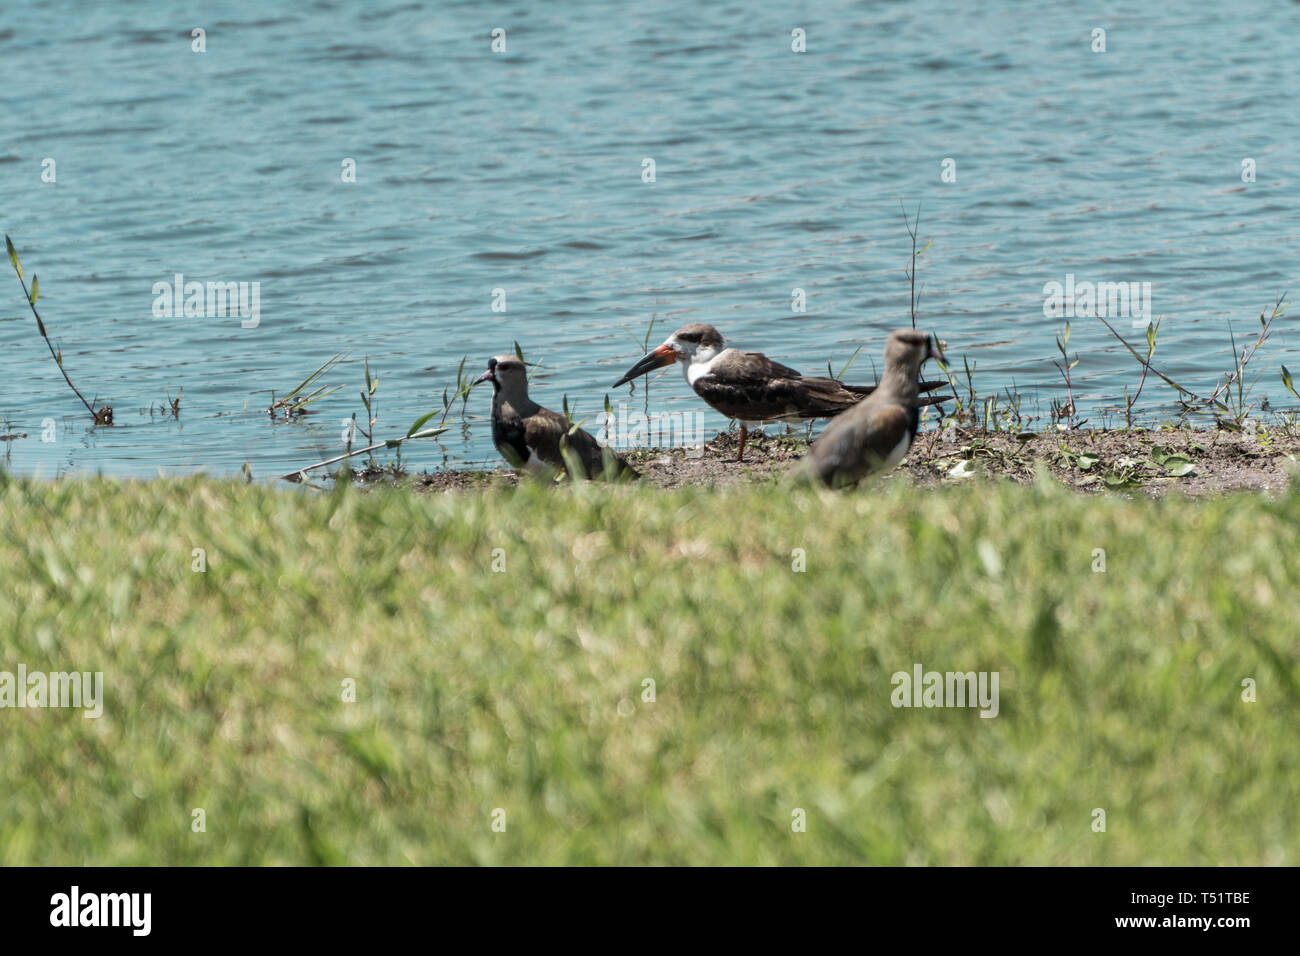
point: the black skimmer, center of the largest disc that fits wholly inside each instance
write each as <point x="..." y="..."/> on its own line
<point x="876" y="434"/>
<point x="532" y="438"/>
<point x="749" y="386"/>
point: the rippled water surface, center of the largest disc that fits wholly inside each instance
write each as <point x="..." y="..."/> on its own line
<point x="522" y="171"/>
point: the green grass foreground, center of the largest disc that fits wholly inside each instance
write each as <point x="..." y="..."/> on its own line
<point x="523" y="690"/>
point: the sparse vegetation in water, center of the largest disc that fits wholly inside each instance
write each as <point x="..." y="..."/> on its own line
<point x="1229" y="401"/>
<point x="369" y="400"/>
<point x="9" y="434"/>
<point x="103" y="414"/>
<point x="295" y="402"/>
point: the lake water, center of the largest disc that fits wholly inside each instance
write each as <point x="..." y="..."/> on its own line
<point x="523" y="171"/>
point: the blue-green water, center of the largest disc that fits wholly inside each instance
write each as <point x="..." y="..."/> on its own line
<point x="522" y="171"/>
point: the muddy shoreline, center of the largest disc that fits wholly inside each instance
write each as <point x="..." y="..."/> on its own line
<point x="1152" y="462"/>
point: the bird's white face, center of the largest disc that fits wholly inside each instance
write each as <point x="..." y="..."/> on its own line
<point x="691" y="344"/>
<point x="690" y="350"/>
<point x="511" y="375"/>
<point x="507" y="374"/>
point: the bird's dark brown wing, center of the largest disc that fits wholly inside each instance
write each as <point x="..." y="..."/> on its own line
<point x="751" y="387"/>
<point x="544" y="430"/>
<point x="920" y="387"/>
<point x="757" y="363"/>
<point x="820" y="397"/>
<point x="857" y="443"/>
<point x="933" y="399"/>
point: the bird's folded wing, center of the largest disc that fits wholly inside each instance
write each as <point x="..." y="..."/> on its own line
<point x="868" y="435"/>
<point x="933" y="399"/>
<point x="920" y="387"/>
<point x="546" y="428"/>
<point x="543" y="430"/>
<point x="816" y="396"/>
<point x="755" y="363"/>
<point x="749" y="399"/>
<point x="750" y="386"/>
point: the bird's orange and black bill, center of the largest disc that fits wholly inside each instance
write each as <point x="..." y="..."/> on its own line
<point x="657" y="359"/>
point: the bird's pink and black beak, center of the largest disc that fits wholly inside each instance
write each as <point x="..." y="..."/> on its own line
<point x="664" y="355"/>
<point x="489" y="376"/>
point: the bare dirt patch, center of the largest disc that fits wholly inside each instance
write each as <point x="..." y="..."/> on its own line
<point x="1152" y="462"/>
<point x="1193" y="461"/>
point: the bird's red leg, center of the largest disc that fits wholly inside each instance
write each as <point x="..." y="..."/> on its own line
<point x="743" y="432"/>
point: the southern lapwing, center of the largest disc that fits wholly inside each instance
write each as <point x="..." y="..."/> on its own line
<point x="875" y="435"/>
<point x="533" y="438"/>
<point x="748" y="385"/>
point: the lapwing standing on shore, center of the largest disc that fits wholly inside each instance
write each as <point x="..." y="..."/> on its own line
<point x="749" y="386"/>
<point x="876" y="434"/>
<point x="534" y="439"/>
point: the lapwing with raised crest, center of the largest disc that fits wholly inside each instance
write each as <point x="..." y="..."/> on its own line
<point x="875" y="434"/>
<point x="534" y="439"/>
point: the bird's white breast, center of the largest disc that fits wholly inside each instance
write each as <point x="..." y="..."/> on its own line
<point x="697" y="370"/>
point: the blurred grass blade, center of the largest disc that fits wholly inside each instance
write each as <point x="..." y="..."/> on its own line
<point x="854" y="358"/>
